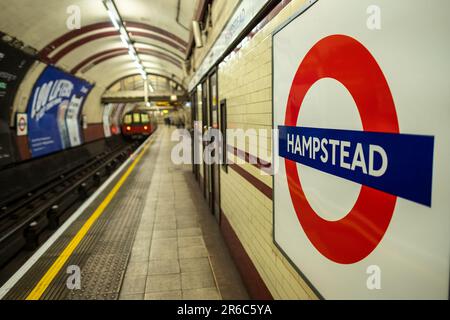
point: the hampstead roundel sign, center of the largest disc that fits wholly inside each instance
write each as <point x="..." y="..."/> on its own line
<point x="361" y="152"/>
<point x="340" y="240"/>
<point x="375" y="157"/>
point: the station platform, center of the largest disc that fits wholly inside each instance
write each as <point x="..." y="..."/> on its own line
<point x="146" y="234"/>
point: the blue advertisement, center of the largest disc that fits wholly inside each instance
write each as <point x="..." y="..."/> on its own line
<point x="54" y="112"/>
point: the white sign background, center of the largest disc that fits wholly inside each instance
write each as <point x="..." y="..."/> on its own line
<point x="413" y="52"/>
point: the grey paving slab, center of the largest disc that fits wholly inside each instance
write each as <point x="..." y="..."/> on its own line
<point x="137" y="269"/>
<point x="192" y="252"/>
<point x="157" y="267"/>
<point x="164" y="253"/>
<point x="201" y="294"/>
<point x="133" y="284"/>
<point x="190" y="242"/>
<point x="166" y="295"/>
<point x="195" y="265"/>
<point x="197" y="280"/>
<point x="189" y="232"/>
<point x="139" y="296"/>
<point x="163" y="234"/>
<point x="161" y="283"/>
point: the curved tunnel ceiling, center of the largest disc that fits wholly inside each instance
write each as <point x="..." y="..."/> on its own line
<point x="114" y="68"/>
<point x="95" y="51"/>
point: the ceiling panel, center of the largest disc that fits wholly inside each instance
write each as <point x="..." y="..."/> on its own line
<point x="38" y="23"/>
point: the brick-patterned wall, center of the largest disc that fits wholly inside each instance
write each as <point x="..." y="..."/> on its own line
<point x="245" y="80"/>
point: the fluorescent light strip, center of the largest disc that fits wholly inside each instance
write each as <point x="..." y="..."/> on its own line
<point x="123" y="32"/>
<point x="113" y="20"/>
<point x="125" y="37"/>
<point x="133" y="56"/>
<point x="125" y="42"/>
<point x="139" y="66"/>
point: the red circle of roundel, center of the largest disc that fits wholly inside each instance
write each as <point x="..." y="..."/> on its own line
<point x="346" y="60"/>
<point x="22" y="124"/>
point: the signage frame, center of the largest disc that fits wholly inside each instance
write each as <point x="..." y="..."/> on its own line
<point x="275" y="159"/>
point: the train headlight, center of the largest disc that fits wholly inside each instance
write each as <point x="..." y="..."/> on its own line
<point x="128" y="128"/>
<point x="145" y="128"/>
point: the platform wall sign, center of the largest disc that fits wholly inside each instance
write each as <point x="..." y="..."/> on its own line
<point x="361" y="197"/>
<point x="54" y="112"/>
<point x="243" y="14"/>
<point x="14" y="64"/>
<point x="21" y="124"/>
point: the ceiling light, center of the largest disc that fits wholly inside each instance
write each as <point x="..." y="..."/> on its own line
<point x="133" y="56"/>
<point x="124" y="41"/>
<point x="113" y="14"/>
<point x="124" y="35"/>
<point x="113" y="20"/>
<point x="138" y="65"/>
<point x="123" y="32"/>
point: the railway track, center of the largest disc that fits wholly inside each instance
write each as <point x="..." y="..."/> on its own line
<point x="24" y="218"/>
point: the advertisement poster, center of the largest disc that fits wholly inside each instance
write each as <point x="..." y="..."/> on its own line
<point x="13" y="66"/>
<point x="73" y="119"/>
<point x="106" y="120"/>
<point x="54" y="112"/>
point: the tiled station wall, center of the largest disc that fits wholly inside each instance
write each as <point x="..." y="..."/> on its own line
<point x="245" y="81"/>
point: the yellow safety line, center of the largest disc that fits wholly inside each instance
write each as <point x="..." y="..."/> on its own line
<point x="47" y="279"/>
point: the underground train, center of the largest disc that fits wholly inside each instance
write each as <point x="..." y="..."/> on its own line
<point x="138" y="124"/>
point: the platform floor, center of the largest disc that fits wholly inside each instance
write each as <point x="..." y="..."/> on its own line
<point x="155" y="239"/>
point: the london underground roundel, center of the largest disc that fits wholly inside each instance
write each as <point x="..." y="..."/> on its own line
<point x="361" y="151"/>
<point x="344" y="59"/>
<point x="379" y="158"/>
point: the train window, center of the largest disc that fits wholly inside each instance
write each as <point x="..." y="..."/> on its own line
<point x="127" y="119"/>
<point x="136" y="118"/>
<point x="145" y="118"/>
